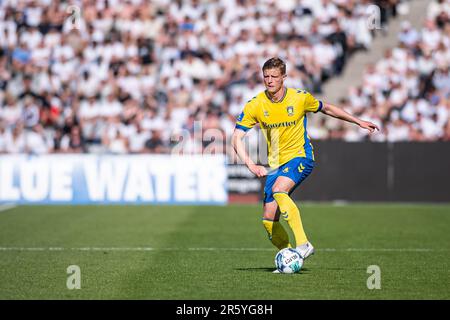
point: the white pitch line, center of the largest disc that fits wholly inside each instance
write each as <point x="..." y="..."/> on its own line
<point x="125" y="249"/>
<point x="395" y="249"/>
<point x="7" y="206"/>
<point x="230" y="249"/>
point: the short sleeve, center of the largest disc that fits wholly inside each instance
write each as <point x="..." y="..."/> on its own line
<point x="312" y="104"/>
<point x="246" y="120"/>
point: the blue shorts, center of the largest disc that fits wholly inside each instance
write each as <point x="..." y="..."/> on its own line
<point x="297" y="169"/>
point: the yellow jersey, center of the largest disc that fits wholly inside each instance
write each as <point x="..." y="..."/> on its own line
<point x="283" y="124"/>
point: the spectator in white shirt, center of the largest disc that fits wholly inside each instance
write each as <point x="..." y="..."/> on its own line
<point x="15" y="140"/>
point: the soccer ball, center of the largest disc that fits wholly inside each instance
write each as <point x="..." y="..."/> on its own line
<point x="288" y="260"/>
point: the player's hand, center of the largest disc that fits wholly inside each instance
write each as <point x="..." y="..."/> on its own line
<point x="369" y="126"/>
<point x="257" y="170"/>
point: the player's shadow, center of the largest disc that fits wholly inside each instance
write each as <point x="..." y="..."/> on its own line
<point x="269" y="270"/>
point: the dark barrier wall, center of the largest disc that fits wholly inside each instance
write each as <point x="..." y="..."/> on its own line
<point x="363" y="171"/>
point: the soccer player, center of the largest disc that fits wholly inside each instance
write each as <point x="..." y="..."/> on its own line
<point x="281" y="114"/>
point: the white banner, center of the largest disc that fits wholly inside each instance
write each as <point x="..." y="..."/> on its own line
<point x="132" y="179"/>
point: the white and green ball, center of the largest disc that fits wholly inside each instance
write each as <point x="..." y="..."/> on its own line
<point x="288" y="260"/>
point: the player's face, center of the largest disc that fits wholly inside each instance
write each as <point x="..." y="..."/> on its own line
<point x="273" y="80"/>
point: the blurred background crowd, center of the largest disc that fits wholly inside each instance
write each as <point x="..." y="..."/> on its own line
<point x="407" y="92"/>
<point x="110" y="76"/>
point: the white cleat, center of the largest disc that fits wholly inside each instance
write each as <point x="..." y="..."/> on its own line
<point x="305" y="250"/>
<point x="276" y="271"/>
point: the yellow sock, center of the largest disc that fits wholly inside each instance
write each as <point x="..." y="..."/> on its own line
<point x="291" y="214"/>
<point x="277" y="234"/>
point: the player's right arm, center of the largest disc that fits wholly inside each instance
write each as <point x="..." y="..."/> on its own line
<point x="245" y="122"/>
<point x="238" y="145"/>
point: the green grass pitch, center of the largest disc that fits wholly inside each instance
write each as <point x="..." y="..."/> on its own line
<point x="202" y="252"/>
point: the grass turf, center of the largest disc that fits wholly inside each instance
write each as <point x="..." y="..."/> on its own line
<point x="202" y="252"/>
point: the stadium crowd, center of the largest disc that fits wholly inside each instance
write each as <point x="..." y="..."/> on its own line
<point x="407" y="92"/>
<point x="133" y="76"/>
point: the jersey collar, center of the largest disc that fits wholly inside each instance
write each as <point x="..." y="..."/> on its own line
<point x="284" y="95"/>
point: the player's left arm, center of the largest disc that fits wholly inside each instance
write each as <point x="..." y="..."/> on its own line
<point x="339" y="113"/>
